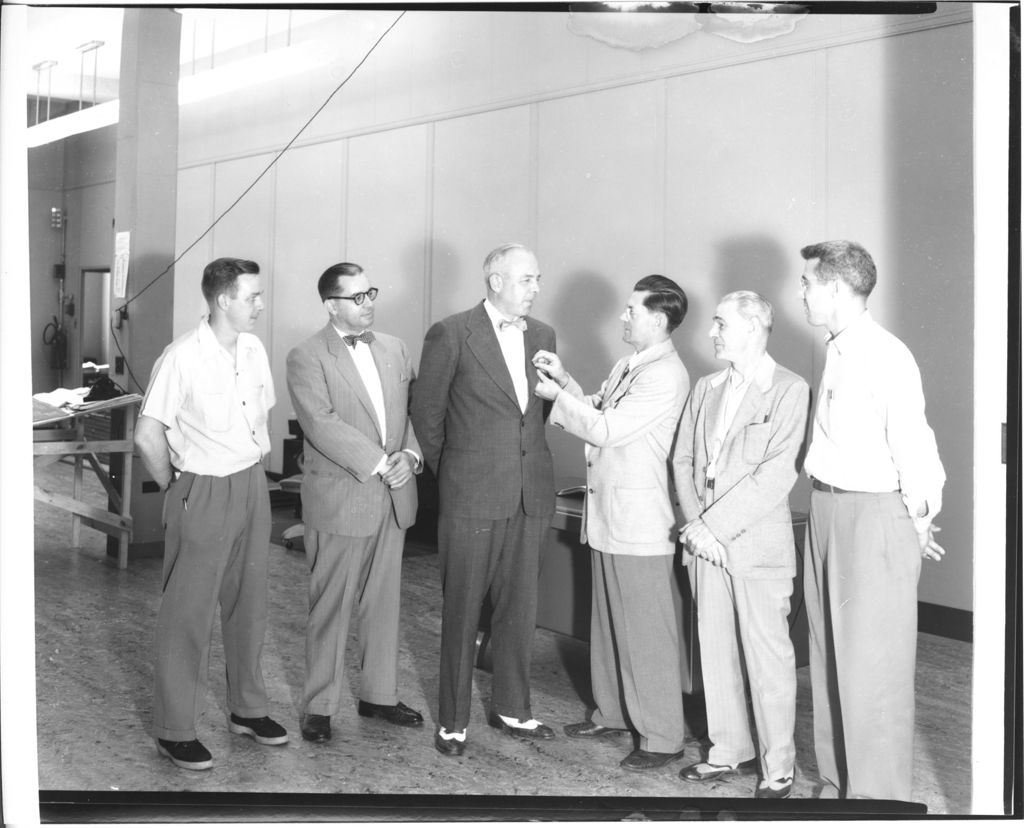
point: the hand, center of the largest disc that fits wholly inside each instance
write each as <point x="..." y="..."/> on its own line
<point x="399" y="470"/>
<point x="547" y="388"/>
<point x="701" y="542"/>
<point x="551" y="365"/>
<point x="930" y="549"/>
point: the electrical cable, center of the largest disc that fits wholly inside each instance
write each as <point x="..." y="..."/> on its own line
<point x="122" y="310"/>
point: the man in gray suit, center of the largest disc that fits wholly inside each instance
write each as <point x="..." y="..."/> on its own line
<point x="735" y="462"/>
<point x="482" y="432"/>
<point x="628" y="520"/>
<point x="350" y="390"/>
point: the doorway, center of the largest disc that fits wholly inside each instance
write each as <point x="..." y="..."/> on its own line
<point x="93" y="324"/>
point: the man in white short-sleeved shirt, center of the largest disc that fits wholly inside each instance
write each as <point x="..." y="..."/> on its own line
<point x="202" y="436"/>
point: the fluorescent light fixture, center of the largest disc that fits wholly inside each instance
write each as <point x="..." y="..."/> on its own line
<point x="269" y="66"/>
<point x="64" y="126"/>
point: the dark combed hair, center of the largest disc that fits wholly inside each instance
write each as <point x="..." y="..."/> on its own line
<point x="329" y="278"/>
<point x="844" y="260"/>
<point x="221" y="276"/>
<point x="664" y="296"/>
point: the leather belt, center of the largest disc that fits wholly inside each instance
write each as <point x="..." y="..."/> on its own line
<point x="825" y="487"/>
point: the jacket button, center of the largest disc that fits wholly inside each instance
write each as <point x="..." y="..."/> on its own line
<point x="589" y="464"/>
<point x="524" y="454"/>
<point x="590" y="491"/>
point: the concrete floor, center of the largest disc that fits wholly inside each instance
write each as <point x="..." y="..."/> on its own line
<point x="94" y="632"/>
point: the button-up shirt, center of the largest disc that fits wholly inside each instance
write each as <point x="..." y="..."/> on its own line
<point x="214" y="406"/>
<point x="513" y="348"/>
<point x="869" y="432"/>
<point x="735" y="389"/>
<point x="368" y="373"/>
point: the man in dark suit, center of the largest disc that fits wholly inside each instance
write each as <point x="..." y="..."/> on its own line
<point x="482" y="433"/>
<point x="350" y="390"/>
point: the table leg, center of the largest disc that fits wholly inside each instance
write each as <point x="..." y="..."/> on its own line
<point x="76" y="520"/>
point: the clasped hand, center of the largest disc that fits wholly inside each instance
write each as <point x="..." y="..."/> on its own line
<point x="551" y="375"/>
<point x="696" y="537"/>
<point x="399" y="469"/>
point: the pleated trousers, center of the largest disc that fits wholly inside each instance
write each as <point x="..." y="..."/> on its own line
<point x="744" y="631"/>
<point x="346" y="574"/>
<point x="860" y="584"/>
<point x="634" y="649"/>
<point x="480" y="557"/>
<point x="216" y="546"/>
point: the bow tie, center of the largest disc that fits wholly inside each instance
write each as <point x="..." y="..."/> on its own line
<point x="512" y="323"/>
<point x="352" y="339"/>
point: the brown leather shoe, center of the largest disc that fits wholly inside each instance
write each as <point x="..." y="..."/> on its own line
<point x="316" y="728"/>
<point x="588" y="730"/>
<point x="396" y="714"/>
<point x="645" y="760"/>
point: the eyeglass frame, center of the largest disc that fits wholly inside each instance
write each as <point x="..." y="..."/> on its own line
<point x="360" y="297"/>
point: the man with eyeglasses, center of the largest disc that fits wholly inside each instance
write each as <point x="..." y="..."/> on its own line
<point x="482" y="432"/>
<point x="350" y="387"/>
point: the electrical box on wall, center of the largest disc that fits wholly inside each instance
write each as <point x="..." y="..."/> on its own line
<point x="58" y="271"/>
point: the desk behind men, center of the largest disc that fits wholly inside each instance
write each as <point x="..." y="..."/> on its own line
<point x="58" y="433"/>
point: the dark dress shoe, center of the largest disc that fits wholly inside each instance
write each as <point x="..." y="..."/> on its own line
<point x="541" y="731"/>
<point x="264" y="729"/>
<point x="645" y="760"/>
<point x="706" y="772"/>
<point x="396" y="714"/>
<point x="188" y="755"/>
<point x="587" y="730"/>
<point x="765" y="791"/>
<point x="316" y="728"/>
<point x="449" y="747"/>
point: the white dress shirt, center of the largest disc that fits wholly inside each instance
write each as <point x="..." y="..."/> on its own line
<point x="869" y="432"/>
<point x="367" y="368"/>
<point x="513" y="348"/>
<point x="736" y="386"/>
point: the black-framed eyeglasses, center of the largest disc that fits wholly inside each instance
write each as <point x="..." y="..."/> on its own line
<point x="358" y="298"/>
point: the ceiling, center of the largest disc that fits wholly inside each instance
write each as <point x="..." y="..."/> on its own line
<point x="208" y="37"/>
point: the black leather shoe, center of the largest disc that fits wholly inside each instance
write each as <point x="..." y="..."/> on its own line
<point x="706" y="772"/>
<point x="645" y="760"/>
<point x="449" y="747"/>
<point x="264" y="729"/>
<point x="764" y="791"/>
<point x="396" y="714"/>
<point x="588" y="730"/>
<point x="316" y="728"/>
<point x="541" y="731"/>
<point x="189" y="755"/>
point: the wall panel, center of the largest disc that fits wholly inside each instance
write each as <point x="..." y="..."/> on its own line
<point x="195" y="215"/>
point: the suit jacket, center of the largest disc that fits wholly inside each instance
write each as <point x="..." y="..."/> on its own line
<point x="755" y="472"/>
<point x="487" y="454"/>
<point x="340" y="493"/>
<point x="628" y="427"/>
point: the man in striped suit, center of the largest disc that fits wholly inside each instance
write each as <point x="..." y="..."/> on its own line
<point x="735" y="462"/>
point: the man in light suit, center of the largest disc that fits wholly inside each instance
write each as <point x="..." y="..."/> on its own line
<point x="350" y="390"/>
<point x="735" y="462"/>
<point x="482" y="433"/>
<point x="629" y="522"/>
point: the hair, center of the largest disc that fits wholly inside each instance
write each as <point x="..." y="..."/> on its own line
<point x="752" y="305"/>
<point x="496" y="258"/>
<point x="221" y="276"/>
<point x="844" y="260"/>
<point x="664" y="296"/>
<point x="329" y="278"/>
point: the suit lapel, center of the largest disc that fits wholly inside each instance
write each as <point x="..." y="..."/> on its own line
<point x="712" y="413"/>
<point x="483" y="342"/>
<point x="349" y="374"/>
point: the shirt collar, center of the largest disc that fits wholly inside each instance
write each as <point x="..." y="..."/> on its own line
<point x="761" y="375"/>
<point x="651" y="354"/>
<point x="852" y="333"/>
<point x="208" y="340"/>
<point x="496" y="316"/>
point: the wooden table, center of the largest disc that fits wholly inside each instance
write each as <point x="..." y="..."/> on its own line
<point x="58" y="433"/>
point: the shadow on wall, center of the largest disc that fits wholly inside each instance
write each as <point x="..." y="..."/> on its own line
<point x="584" y="314"/>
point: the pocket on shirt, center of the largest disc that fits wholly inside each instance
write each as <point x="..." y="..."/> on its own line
<point x="755" y="442"/>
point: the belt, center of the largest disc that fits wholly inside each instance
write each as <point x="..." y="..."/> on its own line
<point x="825" y="487"/>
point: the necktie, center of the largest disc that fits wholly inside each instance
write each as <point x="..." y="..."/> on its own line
<point x="352" y="339"/>
<point x="512" y="323"/>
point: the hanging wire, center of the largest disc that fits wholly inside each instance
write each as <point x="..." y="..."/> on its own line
<point x="123" y="309"/>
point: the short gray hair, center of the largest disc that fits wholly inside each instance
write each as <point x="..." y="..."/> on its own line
<point x="751" y="305"/>
<point x="496" y="258"/>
